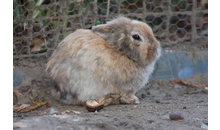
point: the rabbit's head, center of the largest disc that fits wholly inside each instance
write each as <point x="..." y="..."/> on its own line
<point x="133" y="38"/>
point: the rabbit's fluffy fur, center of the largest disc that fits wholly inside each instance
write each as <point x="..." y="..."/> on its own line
<point x="113" y="58"/>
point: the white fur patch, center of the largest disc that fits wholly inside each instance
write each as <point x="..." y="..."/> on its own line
<point x="135" y="21"/>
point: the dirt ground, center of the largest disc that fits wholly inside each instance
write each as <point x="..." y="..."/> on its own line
<point x="158" y="100"/>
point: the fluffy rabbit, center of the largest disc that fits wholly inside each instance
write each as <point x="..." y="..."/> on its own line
<point x="111" y="59"/>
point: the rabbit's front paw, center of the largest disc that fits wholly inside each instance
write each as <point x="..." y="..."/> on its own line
<point x="112" y="99"/>
<point x="132" y="99"/>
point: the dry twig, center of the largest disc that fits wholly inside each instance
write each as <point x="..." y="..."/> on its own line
<point x="32" y="107"/>
<point x="188" y="84"/>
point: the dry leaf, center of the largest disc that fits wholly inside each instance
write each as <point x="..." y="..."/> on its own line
<point x="29" y="108"/>
<point x="37" y="44"/>
<point x="16" y="93"/>
<point x="188" y="84"/>
<point x="17" y="108"/>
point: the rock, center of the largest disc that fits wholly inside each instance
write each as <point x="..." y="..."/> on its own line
<point x="124" y="123"/>
<point x="157" y="101"/>
<point x="176" y="117"/>
<point x="143" y="95"/>
<point x="106" y="115"/>
<point x="151" y="121"/>
<point x="137" y="126"/>
<point x="199" y="101"/>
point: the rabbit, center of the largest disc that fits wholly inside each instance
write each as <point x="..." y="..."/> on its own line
<point x="110" y="59"/>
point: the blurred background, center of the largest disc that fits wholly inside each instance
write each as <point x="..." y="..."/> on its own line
<point x="39" y="25"/>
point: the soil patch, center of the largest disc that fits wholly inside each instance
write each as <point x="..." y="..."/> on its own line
<point x="158" y="99"/>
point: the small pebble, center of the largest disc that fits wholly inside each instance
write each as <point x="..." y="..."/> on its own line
<point x="136" y="126"/>
<point x="124" y="123"/>
<point x="199" y="101"/>
<point x="151" y="121"/>
<point x="176" y="117"/>
<point x="184" y="107"/>
<point x="143" y="95"/>
<point x="157" y="101"/>
<point x="106" y="115"/>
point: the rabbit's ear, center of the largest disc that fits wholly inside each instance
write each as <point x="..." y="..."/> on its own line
<point x="109" y="32"/>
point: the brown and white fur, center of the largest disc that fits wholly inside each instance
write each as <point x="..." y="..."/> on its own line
<point x="111" y="59"/>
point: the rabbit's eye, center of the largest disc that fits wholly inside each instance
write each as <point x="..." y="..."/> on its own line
<point x="136" y="37"/>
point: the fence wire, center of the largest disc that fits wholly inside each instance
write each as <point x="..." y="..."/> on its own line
<point x="39" y="25"/>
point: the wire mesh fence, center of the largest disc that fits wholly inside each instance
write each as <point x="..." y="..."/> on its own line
<point x="39" y="25"/>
